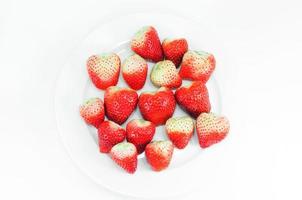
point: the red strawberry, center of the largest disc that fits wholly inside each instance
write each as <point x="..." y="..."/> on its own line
<point x="197" y="66"/>
<point x="146" y="43"/>
<point x="125" y="155"/>
<point x="164" y="73"/>
<point x="159" y="154"/>
<point x="174" y="49"/>
<point x="104" y="69"/>
<point x="119" y="103"/>
<point x="180" y="130"/>
<point x="194" y="98"/>
<point x="140" y="133"/>
<point x="93" y="112"/>
<point x="134" y="70"/>
<point x="157" y="106"/>
<point x="211" y="129"/>
<point x="110" y="134"/>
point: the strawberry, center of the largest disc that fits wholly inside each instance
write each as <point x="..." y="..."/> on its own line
<point x="146" y="43"/>
<point x="92" y="111"/>
<point x="194" y="98"/>
<point x="134" y="70"/>
<point x="211" y="129"/>
<point x="164" y="73"/>
<point x="159" y="154"/>
<point x="110" y="134"/>
<point x="124" y="154"/>
<point x="140" y="133"/>
<point x="157" y="106"/>
<point x="197" y="66"/>
<point x="174" y="49"/>
<point x="180" y="130"/>
<point x="119" y="103"/>
<point x="104" y="69"/>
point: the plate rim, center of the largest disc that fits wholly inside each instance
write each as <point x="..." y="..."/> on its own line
<point x="109" y="18"/>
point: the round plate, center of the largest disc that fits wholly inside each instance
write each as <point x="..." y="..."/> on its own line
<point x="80" y="140"/>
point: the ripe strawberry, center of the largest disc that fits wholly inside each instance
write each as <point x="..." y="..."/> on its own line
<point x="157" y="106"/>
<point x="140" y="133"/>
<point x="124" y="154"/>
<point x="159" y="154"/>
<point x="146" y="43"/>
<point x="211" y="129"/>
<point x="119" y="103"/>
<point x="110" y="134"/>
<point x="92" y="111"/>
<point x="134" y="70"/>
<point x="164" y="73"/>
<point x="104" y="69"/>
<point x="194" y="98"/>
<point x="197" y="66"/>
<point x="174" y="49"/>
<point x="180" y="130"/>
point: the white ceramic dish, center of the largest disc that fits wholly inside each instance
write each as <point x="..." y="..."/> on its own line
<point x="189" y="166"/>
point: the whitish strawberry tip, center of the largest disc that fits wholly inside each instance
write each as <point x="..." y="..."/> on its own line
<point x="90" y="101"/>
<point x="168" y="40"/>
<point x="188" y="85"/>
<point x="141" y="122"/>
<point x="183" y="124"/>
<point x="142" y="31"/>
<point x="202" y="53"/>
<point x="162" y="143"/>
<point x="122" y="146"/>
<point x="124" y="149"/>
<point x="114" y="125"/>
<point x="162" y="89"/>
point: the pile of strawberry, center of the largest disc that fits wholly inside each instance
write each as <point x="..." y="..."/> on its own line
<point x="156" y="107"/>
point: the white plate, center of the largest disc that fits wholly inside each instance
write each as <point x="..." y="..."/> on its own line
<point x="74" y="86"/>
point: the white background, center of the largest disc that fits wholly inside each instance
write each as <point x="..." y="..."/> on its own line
<point x="264" y="43"/>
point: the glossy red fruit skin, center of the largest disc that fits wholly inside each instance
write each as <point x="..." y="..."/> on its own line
<point x="191" y="71"/>
<point x="175" y="49"/>
<point x="140" y="136"/>
<point x="99" y="82"/>
<point x="93" y="115"/>
<point x="209" y="140"/>
<point x="120" y="104"/>
<point x="194" y="99"/>
<point x="110" y="134"/>
<point x="150" y="48"/>
<point x="179" y="139"/>
<point x="156" y="158"/>
<point x="157" y="107"/>
<point x="128" y="163"/>
<point x="136" y="80"/>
